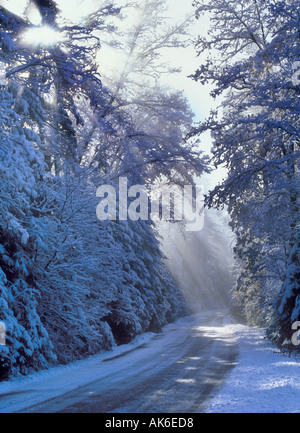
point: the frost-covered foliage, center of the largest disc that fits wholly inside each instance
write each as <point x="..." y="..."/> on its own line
<point x="22" y="198"/>
<point x="104" y="282"/>
<point x="71" y="285"/>
<point x="160" y="117"/>
<point x="252" y="47"/>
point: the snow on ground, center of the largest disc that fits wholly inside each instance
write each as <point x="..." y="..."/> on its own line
<point x="24" y="391"/>
<point x="264" y="380"/>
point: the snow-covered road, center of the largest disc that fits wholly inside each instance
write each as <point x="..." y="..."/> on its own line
<point x="176" y="371"/>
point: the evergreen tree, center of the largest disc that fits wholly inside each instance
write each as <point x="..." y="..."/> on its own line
<point x="70" y="284"/>
<point x="22" y="171"/>
<point x="256" y="136"/>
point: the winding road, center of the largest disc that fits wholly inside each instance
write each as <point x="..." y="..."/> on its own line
<point x="178" y="371"/>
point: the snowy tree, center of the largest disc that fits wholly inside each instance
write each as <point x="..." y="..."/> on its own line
<point x="70" y="284"/>
<point x="156" y="118"/>
<point x="252" y="47"/>
<point x="21" y="235"/>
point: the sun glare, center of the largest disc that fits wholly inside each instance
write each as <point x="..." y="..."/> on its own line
<point x="42" y="36"/>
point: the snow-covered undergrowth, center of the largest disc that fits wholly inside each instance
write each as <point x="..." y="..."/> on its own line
<point x="264" y="380"/>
